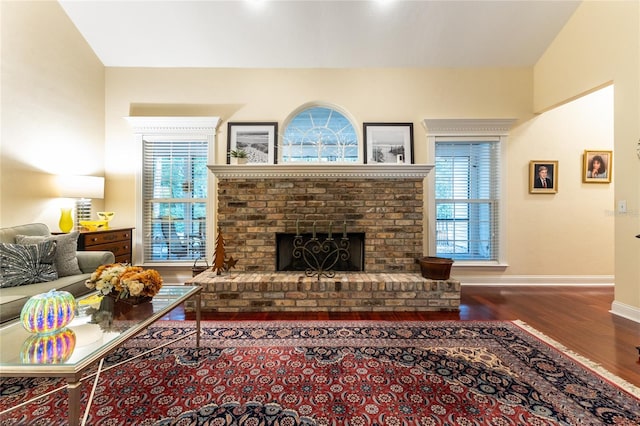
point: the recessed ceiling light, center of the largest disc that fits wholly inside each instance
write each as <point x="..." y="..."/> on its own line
<point x="385" y="3"/>
<point x="255" y="4"/>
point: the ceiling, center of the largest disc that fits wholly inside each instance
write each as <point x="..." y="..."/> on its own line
<point x="319" y="34"/>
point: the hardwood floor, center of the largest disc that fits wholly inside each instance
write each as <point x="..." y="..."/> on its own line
<point x="577" y="317"/>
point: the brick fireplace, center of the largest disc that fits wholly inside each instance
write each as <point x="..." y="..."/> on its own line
<point x="387" y="207"/>
<point x="388" y="212"/>
<point x="384" y="202"/>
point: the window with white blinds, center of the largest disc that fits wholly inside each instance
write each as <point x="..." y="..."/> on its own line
<point x="174" y="192"/>
<point x="467" y="198"/>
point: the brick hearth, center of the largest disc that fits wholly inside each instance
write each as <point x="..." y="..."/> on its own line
<point x="346" y="292"/>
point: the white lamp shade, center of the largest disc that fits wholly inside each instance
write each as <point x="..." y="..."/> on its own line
<point x="81" y="187"/>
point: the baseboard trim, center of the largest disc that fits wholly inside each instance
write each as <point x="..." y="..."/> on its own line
<point x="584" y="280"/>
<point x="625" y="311"/>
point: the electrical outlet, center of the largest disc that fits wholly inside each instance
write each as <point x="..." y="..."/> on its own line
<point x="622" y="206"/>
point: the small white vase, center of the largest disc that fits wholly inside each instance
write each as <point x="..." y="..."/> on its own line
<point x="237" y="160"/>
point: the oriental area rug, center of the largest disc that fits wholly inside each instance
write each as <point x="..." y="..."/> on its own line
<point x="358" y="373"/>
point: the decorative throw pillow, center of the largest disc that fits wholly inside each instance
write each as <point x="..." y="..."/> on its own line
<point x="67" y="244"/>
<point x="27" y="264"/>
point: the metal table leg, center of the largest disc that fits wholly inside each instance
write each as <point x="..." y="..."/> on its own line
<point x="198" y="301"/>
<point x="74" y="390"/>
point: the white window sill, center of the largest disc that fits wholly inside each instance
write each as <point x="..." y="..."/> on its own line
<point x="476" y="264"/>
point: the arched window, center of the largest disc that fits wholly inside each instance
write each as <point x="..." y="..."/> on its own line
<point x="319" y="134"/>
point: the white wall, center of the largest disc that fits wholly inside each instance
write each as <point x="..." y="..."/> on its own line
<point x="600" y="44"/>
<point x="57" y="99"/>
<point x="52" y="110"/>
<point x="570" y="232"/>
<point x="403" y="95"/>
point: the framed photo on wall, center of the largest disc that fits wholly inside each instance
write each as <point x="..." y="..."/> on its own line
<point x="543" y="177"/>
<point x="388" y="143"/>
<point x="258" y="140"/>
<point x="597" y="166"/>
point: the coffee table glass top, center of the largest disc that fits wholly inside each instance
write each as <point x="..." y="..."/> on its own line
<point x="99" y="326"/>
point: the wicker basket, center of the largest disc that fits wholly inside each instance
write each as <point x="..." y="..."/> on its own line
<point x="435" y="268"/>
<point x="198" y="269"/>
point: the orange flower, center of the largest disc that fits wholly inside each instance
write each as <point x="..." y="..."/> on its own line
<point x="125" y="280"/>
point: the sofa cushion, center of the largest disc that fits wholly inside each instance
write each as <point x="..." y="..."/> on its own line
<point x="8" y="235"/>
<point x="66" y="245"/>
<point x="12" y="299"/>
<point x="27" y="264"/>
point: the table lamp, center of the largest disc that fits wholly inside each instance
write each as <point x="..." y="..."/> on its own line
<point x="83" y="188"/>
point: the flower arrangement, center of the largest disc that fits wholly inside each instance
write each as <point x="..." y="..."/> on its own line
<point x="125" y="281"/>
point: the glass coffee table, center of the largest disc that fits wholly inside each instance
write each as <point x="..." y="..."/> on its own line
<point x="100" y="326"/>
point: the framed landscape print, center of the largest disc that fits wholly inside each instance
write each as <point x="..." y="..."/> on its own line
<point x="388" y="143"/>
<point x="597" y="166"/>
<point x="543" y="177"/>
<point x="258" y="140"/>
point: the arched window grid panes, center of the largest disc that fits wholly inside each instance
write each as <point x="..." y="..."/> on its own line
<point x="319" y="134"/>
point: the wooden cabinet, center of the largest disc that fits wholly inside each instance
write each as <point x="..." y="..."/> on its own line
<point x="118" y="241"/>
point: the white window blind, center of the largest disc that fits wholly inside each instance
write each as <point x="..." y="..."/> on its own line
<point x="174" y="191"/>
<point x="467" y="198"/>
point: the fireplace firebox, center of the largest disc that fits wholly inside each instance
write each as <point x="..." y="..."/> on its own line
<point x="287" y="260"/>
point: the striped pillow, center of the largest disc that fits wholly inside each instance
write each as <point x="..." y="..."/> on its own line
<point x="27" y="264"/>
<point x="66" y="245"/>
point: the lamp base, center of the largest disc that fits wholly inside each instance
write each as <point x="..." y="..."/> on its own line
<point x="83" y="210"/>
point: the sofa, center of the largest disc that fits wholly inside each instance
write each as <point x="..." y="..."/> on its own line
<point x="33" y="261"/>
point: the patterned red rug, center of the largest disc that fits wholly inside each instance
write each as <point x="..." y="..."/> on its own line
<point x="337" y="373"/>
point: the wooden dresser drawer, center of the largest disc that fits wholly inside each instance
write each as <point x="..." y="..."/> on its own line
<point x="118" y="248"/>
<point x="117" y="241"/>
<point x="105" y="237"/>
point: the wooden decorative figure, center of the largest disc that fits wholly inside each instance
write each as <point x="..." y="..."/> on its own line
<point x="218" y="255"/>
<point x="230" y="263"/>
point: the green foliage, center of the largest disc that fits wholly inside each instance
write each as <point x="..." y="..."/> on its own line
<point x="238" y="153"/>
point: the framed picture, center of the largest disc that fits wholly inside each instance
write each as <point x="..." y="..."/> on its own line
<point x="258" y="140"/>
<point x="388" y="143"/>
<point x="543" y="177"/>
<point x="597" y="166"/>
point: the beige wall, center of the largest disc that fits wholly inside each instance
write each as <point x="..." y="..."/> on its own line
<point x="404" y="95"/>
<point x="52" y="110"/>
<point x="570" y="233"/>
<point x="69" y="98"/>
<point x="601" y="43"/>
<point x="273" y="94"/>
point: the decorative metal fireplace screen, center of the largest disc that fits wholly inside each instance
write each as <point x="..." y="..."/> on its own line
<point x="290" y="257"/>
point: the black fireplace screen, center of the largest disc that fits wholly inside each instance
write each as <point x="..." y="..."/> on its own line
<point x="286" y="261"/>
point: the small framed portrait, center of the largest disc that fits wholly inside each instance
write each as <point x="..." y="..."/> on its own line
<point x="597" y="166"/>
<point x="257" y="140"/>
<point x="543" y="177"/>
<point x="388" y="143"/>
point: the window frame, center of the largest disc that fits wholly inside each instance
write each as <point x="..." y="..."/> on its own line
<point x="163" y="129"/>
<point x="467" y="130"/>
<point x="283" y="149"/>
<point x="466" y="200"/>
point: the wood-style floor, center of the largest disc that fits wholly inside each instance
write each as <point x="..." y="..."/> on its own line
<point x="577" y="317"/>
